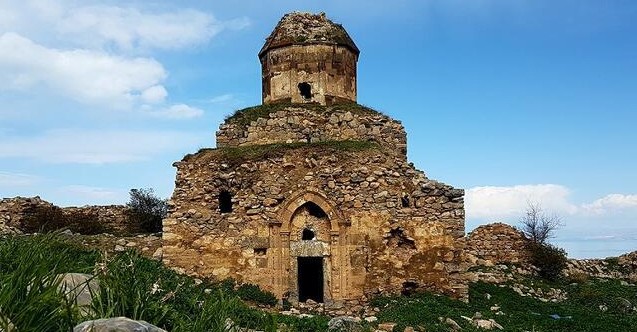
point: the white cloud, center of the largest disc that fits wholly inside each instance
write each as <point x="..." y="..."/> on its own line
<point x="91" y="193"/>
<point x="97" y="147"/>
<point x="612" y="203"/>
<point x="8" y="179"/>
<point x="507" y="202"/>
<point x="494" y="203"/>
<point x="179" y="111"/>
<point x="121" y="27"/>
<point x="129" y="28"/>
<point x="221" y="99"/>
<point x="90" y="53"/>
<point x="82" y="75"/>
<point x="154" y="94"/>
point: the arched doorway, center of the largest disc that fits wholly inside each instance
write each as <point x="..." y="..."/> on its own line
<point x="310" y="251"/>
<point x="309" y="262"/>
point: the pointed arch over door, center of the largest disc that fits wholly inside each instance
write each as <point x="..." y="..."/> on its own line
<point x="306" y="211"/>
<point x="297" y="199"/>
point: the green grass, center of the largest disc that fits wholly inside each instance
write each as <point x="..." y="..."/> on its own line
<point x="140" y="288"/>
<point x="29" y="295"/>
<point x="130" y="285"/>
<point x="521" y="313"/>
<point x="252" y="152"/>
<point x="244" y="117"/>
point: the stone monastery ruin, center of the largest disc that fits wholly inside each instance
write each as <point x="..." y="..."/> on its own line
<point x="310" y="195"/>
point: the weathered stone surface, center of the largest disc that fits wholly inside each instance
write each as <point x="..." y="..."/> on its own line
<point x="376" y="127"/>
<point x="14" y="211"/>
<point x="119" y="324"/>
<point x="497" y="243"/>
<point x="79" y="289"/>
<point x="344" y="324"/>
<point x="310" y="50"/>
<point x="388" y="327"/>
<point x="367" y="246"/>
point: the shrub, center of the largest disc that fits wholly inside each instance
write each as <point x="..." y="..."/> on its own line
<point x="549" y="259"/>
<point x="249" y="292"/>
<point x="146" y="210"/>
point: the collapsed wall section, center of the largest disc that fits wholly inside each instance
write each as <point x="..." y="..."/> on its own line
<point x="498" y="243"/>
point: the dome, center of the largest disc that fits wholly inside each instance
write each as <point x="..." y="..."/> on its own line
<point x="305" y="29"/>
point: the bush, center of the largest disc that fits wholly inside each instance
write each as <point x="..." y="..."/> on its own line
<point x="549" y="259"/>
<point x="146" y="210"/>
<point x="249" y="292"/>
<point x="46" y="219"/>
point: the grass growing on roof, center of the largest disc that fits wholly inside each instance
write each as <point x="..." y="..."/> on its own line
<point x="251" y="152"/>
<point x="244" y="117"/>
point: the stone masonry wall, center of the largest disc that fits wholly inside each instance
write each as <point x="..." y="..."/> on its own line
<point x="14" y="210"/>
<point x="302" y="124"/>
<point x="386" y="228"/>
<point x="113" y="217"/>
<point x="498" y="243"/>
<point x="329" y="70"/>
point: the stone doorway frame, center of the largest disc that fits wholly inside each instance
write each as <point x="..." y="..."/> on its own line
<point x="335" y="262"/>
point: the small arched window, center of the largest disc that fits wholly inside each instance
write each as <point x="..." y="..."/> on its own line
<point x="307" y="234"/>
<point x="225" y="201"/>
<point x="405" y="201"/>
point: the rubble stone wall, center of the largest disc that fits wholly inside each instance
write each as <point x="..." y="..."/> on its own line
<point x="381" y="226"/>
<point x="13" y="212"/>
<point x="112" y="217"/>
<point x="328" y="70"/>
<point x="498" y="243"/>
<point x="307" y="125"/>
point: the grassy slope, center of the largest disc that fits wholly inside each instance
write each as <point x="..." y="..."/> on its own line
<point x="521" y="313"/>
<point x="180" y="304"/>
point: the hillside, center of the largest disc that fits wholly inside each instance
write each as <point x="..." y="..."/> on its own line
<point x="141" y="288"/>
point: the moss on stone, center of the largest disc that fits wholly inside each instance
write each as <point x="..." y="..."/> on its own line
<point x="255" y="152"/>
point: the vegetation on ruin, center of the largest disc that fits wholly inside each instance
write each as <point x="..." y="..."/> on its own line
<point x="244" y="117"/>
<point x="252" y="152"/>
<point x="141" y="288"/>
<point x="539" y="226"/>
<point x="146" y="209"/>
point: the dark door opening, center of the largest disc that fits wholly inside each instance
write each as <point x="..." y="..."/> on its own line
<point x="306" y="90"/>
<point x="310" y="279"/>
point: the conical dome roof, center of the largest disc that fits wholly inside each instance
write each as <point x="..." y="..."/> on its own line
<point x="306" y="28"/>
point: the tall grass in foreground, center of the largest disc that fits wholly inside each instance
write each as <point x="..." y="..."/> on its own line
<point x="29" y="296"/>
<point x="129" y="285"/>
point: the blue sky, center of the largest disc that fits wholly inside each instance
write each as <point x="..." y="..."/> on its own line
<point x="514" y="101"/>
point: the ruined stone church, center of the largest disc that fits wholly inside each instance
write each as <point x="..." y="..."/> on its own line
<point x="310" y="195"/>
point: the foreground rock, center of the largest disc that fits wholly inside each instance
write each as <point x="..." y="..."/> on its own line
<point x="344" y="324"/>
<point x="79" y="289"/>
<point x="6" y="325"/>
<point x="119" y="324"/>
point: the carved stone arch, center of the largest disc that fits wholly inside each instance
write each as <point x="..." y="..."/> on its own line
<point x="300" y="197"/>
